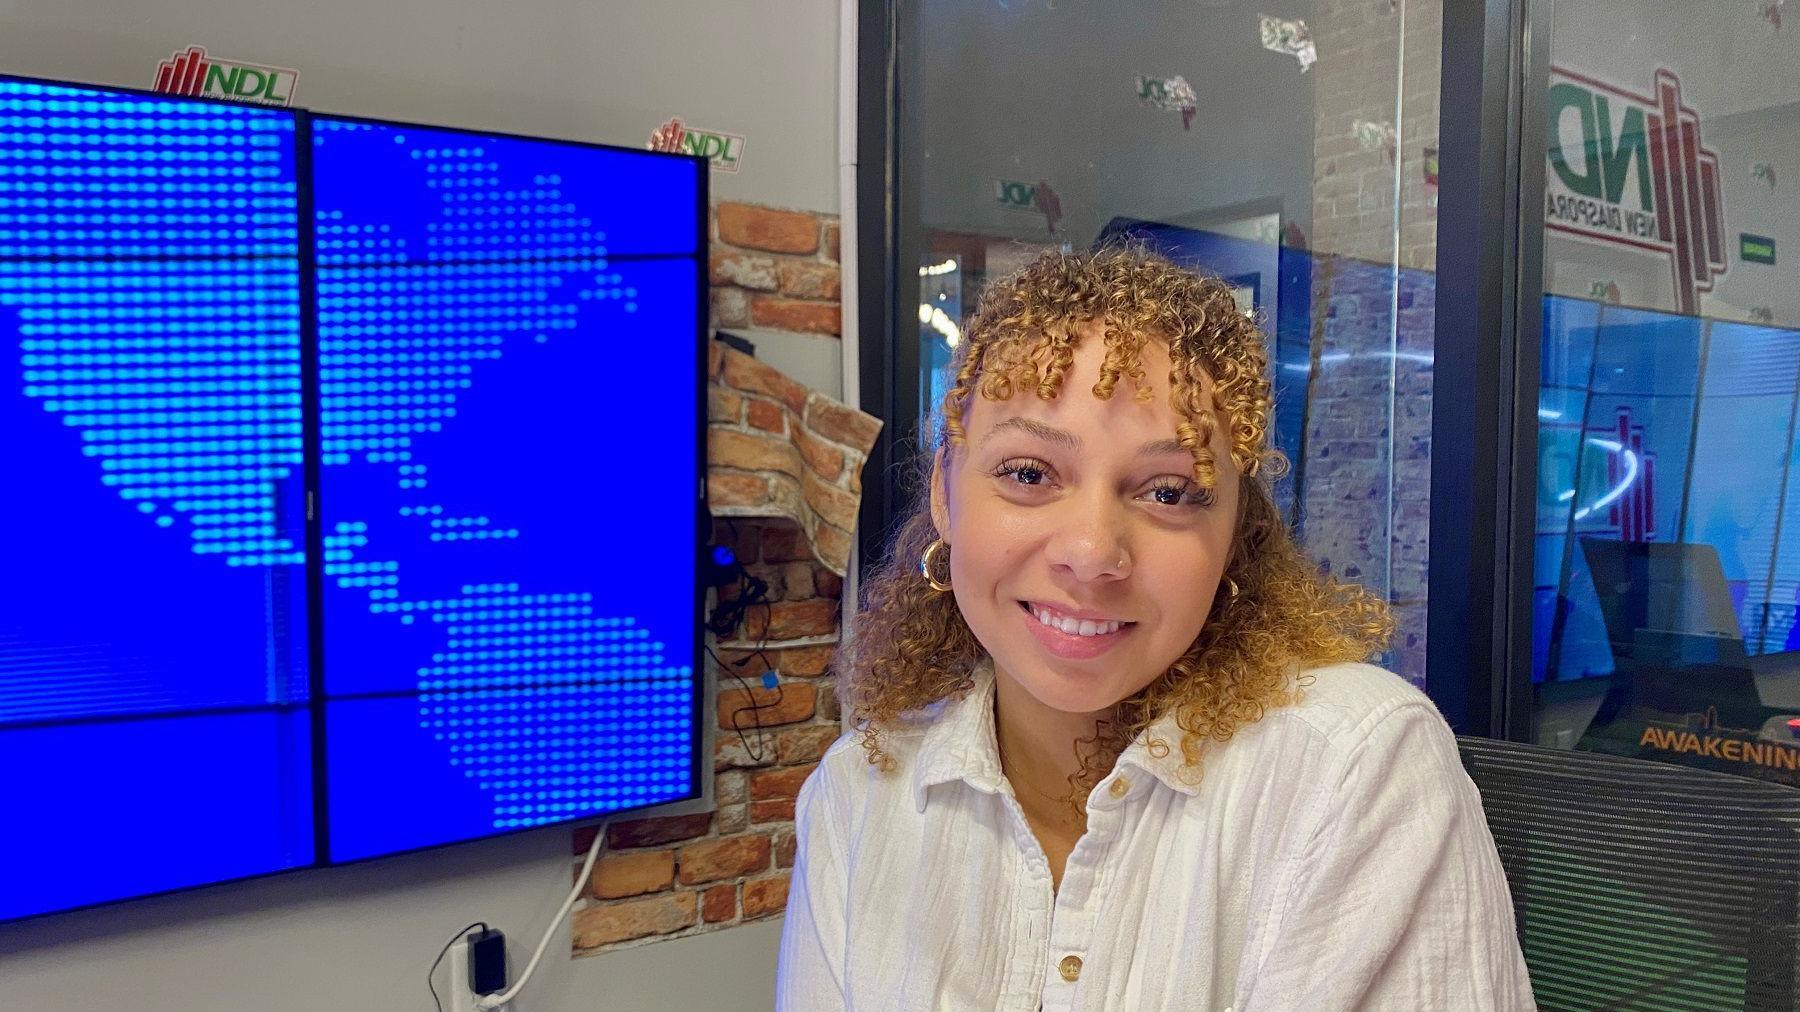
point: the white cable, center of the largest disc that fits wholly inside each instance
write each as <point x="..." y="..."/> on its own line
<point x="494" y="1001"/>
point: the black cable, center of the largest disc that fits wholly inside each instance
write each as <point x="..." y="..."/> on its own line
<point x="432" y="985"/>
<point x="726" y="617"/>
<point x="780" y="692"/>
<point x="755" y="751"/>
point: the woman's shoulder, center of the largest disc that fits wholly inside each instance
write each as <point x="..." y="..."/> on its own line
<point x="1357" y="731"/>
<point x="854" y="760"/>
<point x="1344" y="703"/>
<point x="848" y="772"/>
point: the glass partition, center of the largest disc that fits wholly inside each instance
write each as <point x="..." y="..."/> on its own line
<point x="1294" y="156"/>
<point x="1667" y="558"/>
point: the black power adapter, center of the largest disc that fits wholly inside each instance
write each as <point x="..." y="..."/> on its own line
<point x="487" y="961"/>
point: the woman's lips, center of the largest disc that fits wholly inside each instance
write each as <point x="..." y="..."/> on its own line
<point x="1073" y="646"/>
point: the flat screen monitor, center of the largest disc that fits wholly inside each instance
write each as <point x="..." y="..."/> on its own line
<point x="1665" y="603"/>
<point x="508" y="408"/>
<point x="154" y="694"/>
<point x="478" y="358"/>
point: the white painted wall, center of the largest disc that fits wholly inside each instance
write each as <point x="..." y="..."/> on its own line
<point x="609" y="71"/>
<point x="360" y="938"/>
<point x="1034" y="91"/>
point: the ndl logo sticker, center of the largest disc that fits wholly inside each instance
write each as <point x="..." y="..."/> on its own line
<point x="1632" y="170"/>
<point x="723" y="151"/>
<point x="192" y="72"/>
<point x="1017" y="195"/>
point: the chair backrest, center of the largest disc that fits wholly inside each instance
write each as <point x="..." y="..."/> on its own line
<point x="1643" y="885"/>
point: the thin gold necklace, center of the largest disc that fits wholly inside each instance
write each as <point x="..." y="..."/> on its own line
<point x="1066" y="799"/>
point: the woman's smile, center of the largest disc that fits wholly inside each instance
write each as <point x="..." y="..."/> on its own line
<point x="1073" y="634"/>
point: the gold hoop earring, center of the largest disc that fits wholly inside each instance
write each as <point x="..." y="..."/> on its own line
<point x="1231" y="588"/>
<point x="925" y="566"/>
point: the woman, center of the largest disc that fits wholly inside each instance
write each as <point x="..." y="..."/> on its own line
<point x="1114" y="748"/>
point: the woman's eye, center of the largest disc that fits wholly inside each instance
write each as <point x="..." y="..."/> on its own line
<point x="1024" y="472"/>
<point x="1182" y="494"/>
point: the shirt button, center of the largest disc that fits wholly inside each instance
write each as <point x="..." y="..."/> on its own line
<point x="1120" y="787"/>
<point x="1070" y="968"/>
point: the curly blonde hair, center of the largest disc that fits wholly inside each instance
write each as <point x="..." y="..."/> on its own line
<point x="911" y="646"/>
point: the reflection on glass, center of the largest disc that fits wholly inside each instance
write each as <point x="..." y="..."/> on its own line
<point x="940" y="329"/>
<point x="1667" y="561"/>
<point x="1303" y="176"/>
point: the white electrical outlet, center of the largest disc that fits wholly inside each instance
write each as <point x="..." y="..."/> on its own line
<point x="457" y="996"/>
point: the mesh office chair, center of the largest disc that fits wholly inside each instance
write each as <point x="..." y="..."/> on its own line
<point x="1643" y="885"/>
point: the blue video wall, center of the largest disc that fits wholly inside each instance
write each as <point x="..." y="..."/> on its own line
<point x="1654" y="427"/>
<point x="485" y="351"/>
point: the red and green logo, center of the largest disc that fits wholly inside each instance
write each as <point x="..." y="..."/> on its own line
<point x="722" y="150"/>
<point x="192" y="72"/>
<point x="1632" y="169"/>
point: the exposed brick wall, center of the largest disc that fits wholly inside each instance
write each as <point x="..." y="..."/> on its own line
<point x="784" y="479"/>
<point x="678" y="875"/>
<point x="1368" y="517"/>
<point x="1353" y="525"/>
<point x="775" y="269"/>
<point x="780" y="450"/>
<point x="1363" y="45"/>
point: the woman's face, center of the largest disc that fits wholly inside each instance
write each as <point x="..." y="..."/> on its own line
<point x="1083" y="555"/>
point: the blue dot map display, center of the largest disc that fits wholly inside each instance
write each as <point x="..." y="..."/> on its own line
<point x="490" y="346"/>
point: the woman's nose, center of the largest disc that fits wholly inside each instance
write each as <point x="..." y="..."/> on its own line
<point x="1090" y="544"/>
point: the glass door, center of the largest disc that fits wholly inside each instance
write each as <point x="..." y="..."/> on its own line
<point x="1291" y="151"/>
<point x="1666" y="567"/>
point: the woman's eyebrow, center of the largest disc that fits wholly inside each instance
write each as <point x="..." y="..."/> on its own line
<point x="1047" y="433"/>
<point x="1069" y="440"/>
<point x="1161" y="446"/>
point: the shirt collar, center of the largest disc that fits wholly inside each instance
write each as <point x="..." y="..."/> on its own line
<point x="959" y="744"/>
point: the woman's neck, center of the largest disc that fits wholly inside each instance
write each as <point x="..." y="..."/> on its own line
<point x="1038" y="743"/>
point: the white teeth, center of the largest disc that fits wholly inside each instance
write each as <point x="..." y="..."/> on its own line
<point x="1075" y="627"/>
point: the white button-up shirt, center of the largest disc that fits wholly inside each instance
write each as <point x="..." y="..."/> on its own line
<point x="1333" y="855"/>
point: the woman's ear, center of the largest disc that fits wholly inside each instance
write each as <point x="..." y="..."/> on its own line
<point x="940" y="494"/>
